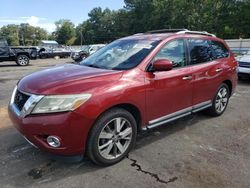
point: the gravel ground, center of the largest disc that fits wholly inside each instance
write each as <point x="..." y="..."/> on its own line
<point x="196" y="151"/>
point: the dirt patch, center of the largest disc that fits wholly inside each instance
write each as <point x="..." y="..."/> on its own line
<point x="4" y="118"/>
<point x="4" y="80"/>
<point x="37" y="173"/>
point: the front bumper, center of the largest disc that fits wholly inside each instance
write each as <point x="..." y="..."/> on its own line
<point x="70" y="127"/>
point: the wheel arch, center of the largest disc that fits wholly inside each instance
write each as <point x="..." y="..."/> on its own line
<point x="229" y="84"/>
<point x="84" y="53"/>
<point x="41" y="50"/>
<point x="134" y="110"/>
<point x="23" y="53"/>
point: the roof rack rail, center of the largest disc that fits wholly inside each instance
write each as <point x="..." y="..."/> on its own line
<point x="139" y="34"/>
<point x="179" y="31"/>
<point x="196" y="32"/>
<point x="165" y="31"/>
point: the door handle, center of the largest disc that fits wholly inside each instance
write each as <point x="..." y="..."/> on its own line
<point x="218" y="70"/>
<point x="187" y="78"/>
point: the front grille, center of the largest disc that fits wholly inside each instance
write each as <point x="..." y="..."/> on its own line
<point x="20" y="99"/>
<point x="244" y="64"/>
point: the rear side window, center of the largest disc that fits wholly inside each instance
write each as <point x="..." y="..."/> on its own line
<point x="200" y="51"/>
<point x="219" y="50"/>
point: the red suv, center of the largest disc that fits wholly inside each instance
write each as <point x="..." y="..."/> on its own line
<point x="133" y="84"/>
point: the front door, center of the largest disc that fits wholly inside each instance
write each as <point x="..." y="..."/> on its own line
<point x="169" y="93"/>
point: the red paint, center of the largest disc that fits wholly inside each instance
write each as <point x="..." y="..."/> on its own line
<point x="162" y="65"/>
<point x="154" y="94"/>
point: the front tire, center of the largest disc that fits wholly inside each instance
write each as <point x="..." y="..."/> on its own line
<point x="22" y="60"/>
<point x="83" y="56"/>
<point x="220" y="101"/>
<point x="112" y="137"/>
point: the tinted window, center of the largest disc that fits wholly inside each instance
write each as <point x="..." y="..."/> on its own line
<point x="3" y="43"/>
<point x="200" y="51"/>
<point x="219" y="50"/>
<point x="173" y="51"/>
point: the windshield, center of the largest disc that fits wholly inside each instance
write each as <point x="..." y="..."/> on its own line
<point x="121" y="54"/>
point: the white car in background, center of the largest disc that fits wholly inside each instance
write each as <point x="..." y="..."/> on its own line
<point x="95" y="47"/>
<point x="85" y="51"/>
<point x="244" y="65"/>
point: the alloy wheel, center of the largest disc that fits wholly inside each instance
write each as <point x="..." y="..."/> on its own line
<point x="23" y="60"/>
<point x="115" y="138"/>
<point x="221" y="100"/>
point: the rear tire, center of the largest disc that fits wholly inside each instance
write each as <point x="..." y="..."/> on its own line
<point x="112" y="137"/>
<point x="22" y="60"/>
<point x="220" y="101"/>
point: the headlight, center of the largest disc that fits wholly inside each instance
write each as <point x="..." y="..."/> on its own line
<point x="60" y="103"/>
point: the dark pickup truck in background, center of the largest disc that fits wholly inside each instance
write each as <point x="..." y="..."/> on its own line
<point x="53" y="52"/>
<point x="21" y="55"/>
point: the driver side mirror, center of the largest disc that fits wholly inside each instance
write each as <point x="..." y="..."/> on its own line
<point x="162" y="65"/>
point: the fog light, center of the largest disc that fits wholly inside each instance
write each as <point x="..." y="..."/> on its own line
<point x="53" y="141"/>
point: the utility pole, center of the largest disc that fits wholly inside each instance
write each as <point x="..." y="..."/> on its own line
<point x="81" y="36"/>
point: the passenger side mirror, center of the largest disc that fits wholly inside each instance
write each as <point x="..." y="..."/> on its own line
<point x="162" y="65"/>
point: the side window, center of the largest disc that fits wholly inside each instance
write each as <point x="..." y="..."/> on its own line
<point x="173" y="51"/>
<point x="3" y="43"/>
<point x="219" y="50"/>
<point x="200" y="51"/>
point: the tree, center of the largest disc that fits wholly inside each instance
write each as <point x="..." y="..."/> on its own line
<point x="242" y="19"/>
<point x="225" y="18"/>
<point x="121" y="24"/>
<point x="10" y="33"/>
<point x="103" y="26"/>
<point x="23" y="34"/>
<point x="65" y="32"/>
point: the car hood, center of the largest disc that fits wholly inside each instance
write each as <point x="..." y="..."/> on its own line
<point x="67" y="79"/>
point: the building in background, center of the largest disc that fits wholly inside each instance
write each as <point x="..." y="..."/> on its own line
<point x="239" y="46"/>
<point x="49" y="43"/>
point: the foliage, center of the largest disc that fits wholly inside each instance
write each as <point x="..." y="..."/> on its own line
<point x="225" y="18"/>
<point x="23" y="34"/>
<point x="99" y="28"/>
<point x="65" y="32"/>
<point x="11" y="34"/>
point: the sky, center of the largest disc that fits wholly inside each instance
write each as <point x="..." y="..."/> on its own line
<point x="44" y="13"/>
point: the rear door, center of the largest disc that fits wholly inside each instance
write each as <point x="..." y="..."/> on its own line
<point x="207" y="59"/>
<point x="169" y="93"/>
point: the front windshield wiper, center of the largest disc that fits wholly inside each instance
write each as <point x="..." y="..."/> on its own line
<point x="94" y="66"/>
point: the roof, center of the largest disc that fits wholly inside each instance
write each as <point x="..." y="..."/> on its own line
<point x="164" y="33"/>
